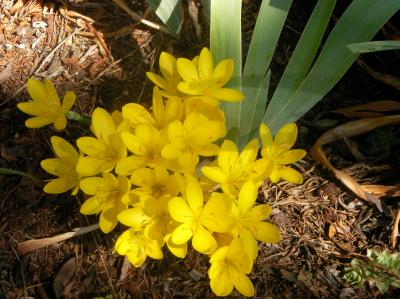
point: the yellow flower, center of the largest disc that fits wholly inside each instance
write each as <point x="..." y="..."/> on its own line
<point x="193" y="137"/>
<point x="203" y="80"/>
<point x="197" y="105"/>
<point x="199" y="220"/>
<point x="63" y="166"/>
<point x="136" y="246"/>
<point x="250" y="219"/>
<point x="102" y="152"/>
<point x="229" y="266"/>
<point x="46" y="106"/>
<point x="234" y="169"/>
<point x="146" y="145"/>
<point x="162" y="113"/>
<point x="170" y="76"/>
<point x="278" y="151"/>
<point x="154" y="182"/>
<point x="153" y="217"/>
<point x="109" y="194"/>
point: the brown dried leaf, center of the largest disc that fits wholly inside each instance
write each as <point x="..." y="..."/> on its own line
<point x="395" y="229"/>
<point x="382" y="190"/>
<point x="347" y="130"/>
<point x="385" y="78"/>
<point x="370" y="110"/>
<point x="64" y="277"/>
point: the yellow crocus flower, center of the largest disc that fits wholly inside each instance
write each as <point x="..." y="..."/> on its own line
<point x="278" y="151"/>
<point x="46" y="105"/>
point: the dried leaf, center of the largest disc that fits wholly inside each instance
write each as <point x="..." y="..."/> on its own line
<point x="385" y="78"/>
<point x="370" y="110"/>
<point x="382" y="190"/>
<point x="26" y="246"/>
<point x="64" y="277"/>
<point x="395" y="229"/>
<point x="345" y="131"/>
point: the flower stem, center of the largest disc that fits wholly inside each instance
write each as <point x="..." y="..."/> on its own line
<point x="76" y="116"/>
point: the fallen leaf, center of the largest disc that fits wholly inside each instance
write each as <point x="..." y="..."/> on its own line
<point x="369" y="110"/>
<point x="64" y="277"/>
<point x="395" y="229"/>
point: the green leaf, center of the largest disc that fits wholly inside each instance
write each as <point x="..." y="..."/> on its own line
<point x="267" y="30"/>
<point x="303" y="55"/>
<point x="375" y="46"/>
<point x="359" y="23"/>
<point x="6" y="171"/>
<point x="226" y="42"/>
<point x="169" y="11"/>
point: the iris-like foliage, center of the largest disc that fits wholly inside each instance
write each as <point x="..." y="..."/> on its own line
<point x="153" y="170"/>
<point x="46" y="106"/>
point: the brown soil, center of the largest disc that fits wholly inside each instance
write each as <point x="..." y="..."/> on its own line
<point x="104" y="63"/>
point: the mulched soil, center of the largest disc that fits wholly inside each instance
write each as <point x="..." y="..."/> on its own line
<point x="94" y="49"/>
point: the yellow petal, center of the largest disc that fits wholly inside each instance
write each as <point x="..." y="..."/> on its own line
<point x="291" y="156"/>
<point x="189" y="88"/>
<point x="182" y="234"/>
<point x="194" y="196"/>
<point x="137" y="114"/>
<point x="91" y="146"/>
<point x="102" y="124"/>
<point x="167" y="64"/>
<point x="260" y="212"/>
<point x="228" y="156"/>
<point x="117" y="117"/>
<point x="89" y="166"/>
<point x="275" y="175"/>
<point x="36" y="90"/>
<point x="39" y="121"/>
<point x="217" y="256"/>
<point x="241" y="282"/>
<point x="91" y="185"/>
<point x="64" y="150"/>
<point x="203" y="241"/>
<point x="157" y="80"/>
<point x="179" y="210"/>
<point x="91" y="206"/>
<point x="221" y="285"/>
<point x="187" y="70"/>
<point x="247" y="196"/>
<point x="33" y="108"/>
<point x="266" y="136"/>
<point x="214" y="173"/>
<point x="290" y="175"/>
<point x="134" y="217"/>
<point x="132" y="142"/>
<point x="58" y="167"/>
<point x="214" y="215"/>
<point x="249" y="153"/>
<point x="60" y="122"/>
<point x="205" y="64"/>
<point x="223" y="72"/>
<point x="153" y="250"/>
<point x="286" y="136"/>
<point x="250" y="243"/>
<point x="227" y="94"/>
<point x="68" y="101"/>
<point x="171" y="151"/>
<point x="177" y="250"/>
<point x="127" y="165"/>
<point x="59" y="185"/>
<point x="208" y="150"/>
<point x="108" y="219"/>
<point x="51" y="92"/>
<point x="266" y="232"/>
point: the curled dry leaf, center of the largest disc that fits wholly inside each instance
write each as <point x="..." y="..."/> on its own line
<point x="369" y="110"/>
<point x="395" y="229"/>
<point x="348" y="130"/>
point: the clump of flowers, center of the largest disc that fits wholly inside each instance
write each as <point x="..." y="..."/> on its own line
<point x="141" y="168"/>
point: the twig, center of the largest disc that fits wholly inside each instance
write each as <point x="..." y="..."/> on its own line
<point x="30" y="245"/>
<point x="138" y="18"/>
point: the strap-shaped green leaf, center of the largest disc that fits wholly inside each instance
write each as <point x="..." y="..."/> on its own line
<point x="226" y="42"/>
<point x="169" y="11"/>
<point x="359" y="23"/>
<point x="267" y="30"/>
<point x="375" y="46"/>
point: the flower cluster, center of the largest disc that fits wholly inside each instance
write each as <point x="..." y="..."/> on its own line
<point x="141" y="168"/>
